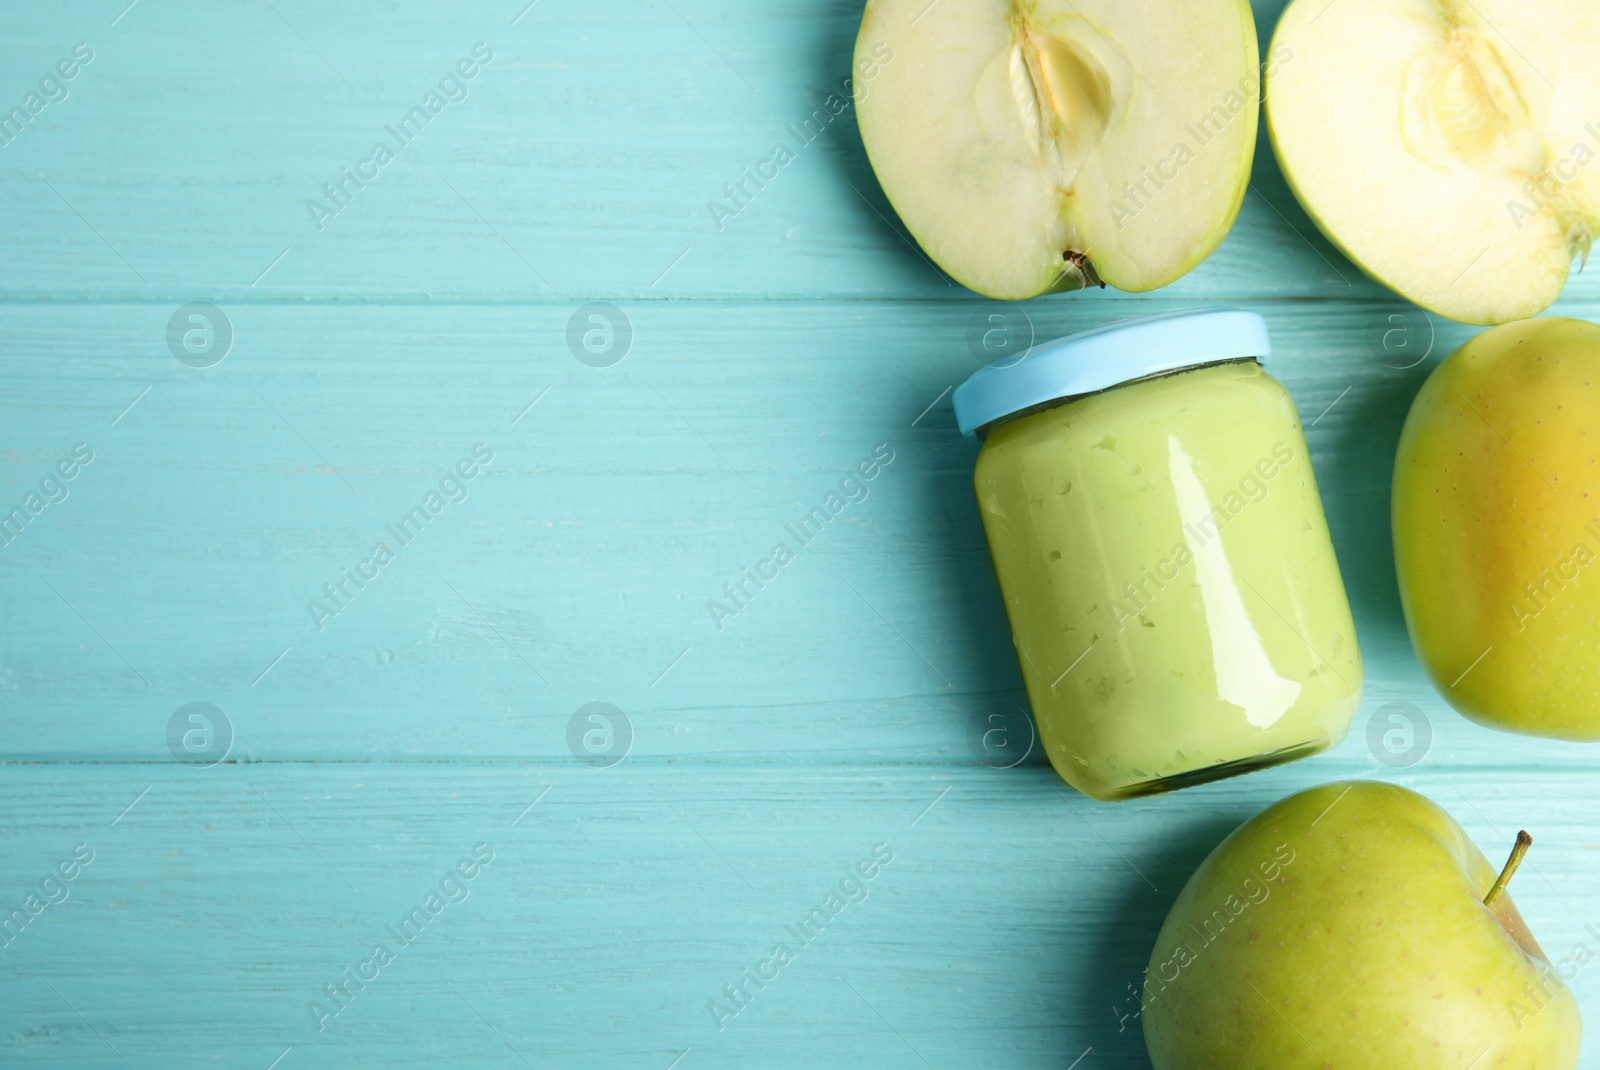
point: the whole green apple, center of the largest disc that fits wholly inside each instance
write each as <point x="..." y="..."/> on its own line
<point x="1353" y="926"/>
<point x="1496" y="517"/>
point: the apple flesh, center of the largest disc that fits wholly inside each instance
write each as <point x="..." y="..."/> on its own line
<point x="1036" y="145"/>
<point x="1496" y="517"/>
<point x="1450" y="148"/>
<point x="1347" y="927"/>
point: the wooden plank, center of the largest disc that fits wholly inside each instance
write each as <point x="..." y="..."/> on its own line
<point x="1003" y="932"/>
<point x="581" y="563"/>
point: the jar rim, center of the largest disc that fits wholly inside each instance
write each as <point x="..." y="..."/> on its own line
<point x="1113" y="354"/>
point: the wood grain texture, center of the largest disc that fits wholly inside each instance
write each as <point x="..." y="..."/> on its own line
<point x="838" y="710"/>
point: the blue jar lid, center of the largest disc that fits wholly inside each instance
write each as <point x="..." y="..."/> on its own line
<point x="1107" y="356"/>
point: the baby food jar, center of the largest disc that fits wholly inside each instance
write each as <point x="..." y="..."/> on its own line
<point x="1161" y="549"/>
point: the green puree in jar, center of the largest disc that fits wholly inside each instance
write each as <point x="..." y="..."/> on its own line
<point x="1173" y="593"/>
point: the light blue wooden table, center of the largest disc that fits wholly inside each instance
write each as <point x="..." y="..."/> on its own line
<point x="374" y="344"/>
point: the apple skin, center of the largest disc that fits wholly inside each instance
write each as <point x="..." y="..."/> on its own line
<point x="1496" y="517"/>
<point x="1353" y="934"/>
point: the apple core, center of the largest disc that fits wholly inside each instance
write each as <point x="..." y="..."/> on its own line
<point x="1068" y="91"/>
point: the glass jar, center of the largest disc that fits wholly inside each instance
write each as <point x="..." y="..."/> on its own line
<point x="1160" y="544"/>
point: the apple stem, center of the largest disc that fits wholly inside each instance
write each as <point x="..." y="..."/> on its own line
<point x="1518" y="851"/>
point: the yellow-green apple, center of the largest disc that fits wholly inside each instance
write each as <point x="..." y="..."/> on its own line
<point x="1496" y="516"/>
<point x="1354" y="926"/>
<point x="1447" y="146"/>
<point x="1035" y="145"/>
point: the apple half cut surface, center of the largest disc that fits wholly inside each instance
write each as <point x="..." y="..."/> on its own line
<point x="1450" y="147"/>
<point x="1058" y="144"/>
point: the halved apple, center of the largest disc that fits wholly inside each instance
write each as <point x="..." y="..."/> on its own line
<point x="1034" y="145"/>
<point x="1447" y="146"/>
